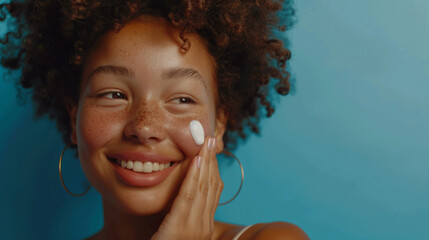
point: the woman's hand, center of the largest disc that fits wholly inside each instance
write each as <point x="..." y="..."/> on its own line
<point x="192" y="213"/>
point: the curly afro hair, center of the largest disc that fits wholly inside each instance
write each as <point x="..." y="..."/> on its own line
<point x="50" y="39"/>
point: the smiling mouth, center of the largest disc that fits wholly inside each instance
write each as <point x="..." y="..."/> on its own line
<point x="142" y="167"/>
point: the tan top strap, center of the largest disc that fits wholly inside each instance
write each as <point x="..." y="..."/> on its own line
<point x="241" y="232"/>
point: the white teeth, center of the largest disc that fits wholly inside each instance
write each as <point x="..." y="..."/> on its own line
<point x="155" y="166"/>
<point x="130" y="164"/>
<point x="147" y="167"/>
<point x="138" y="166"/>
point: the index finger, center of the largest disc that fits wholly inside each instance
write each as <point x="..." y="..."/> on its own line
<point x="188" y="191"/>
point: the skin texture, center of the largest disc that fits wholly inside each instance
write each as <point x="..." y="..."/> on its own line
<point x="139" y="105"/>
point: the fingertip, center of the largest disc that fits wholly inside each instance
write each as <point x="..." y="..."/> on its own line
<point x="207" y="141"/>
<point x="211" y="143"/>
<point x="206" y="146"/>
<point x="198" y="161"/>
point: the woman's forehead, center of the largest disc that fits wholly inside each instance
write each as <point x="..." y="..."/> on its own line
<point x="152" y="47"/>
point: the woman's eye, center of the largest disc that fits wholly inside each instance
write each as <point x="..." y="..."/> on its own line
<point x="113" y="95"/>
<point x="183" y="100"/>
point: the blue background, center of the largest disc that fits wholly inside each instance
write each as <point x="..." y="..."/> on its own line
<point x="345" y="157"/>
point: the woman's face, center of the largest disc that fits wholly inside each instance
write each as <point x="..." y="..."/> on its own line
<point x="139" y="92"/>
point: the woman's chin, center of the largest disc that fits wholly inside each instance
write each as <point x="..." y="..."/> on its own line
<point x="145" y="205"/>
<point x="148" y="210"/>
<point x="138" y="208"/>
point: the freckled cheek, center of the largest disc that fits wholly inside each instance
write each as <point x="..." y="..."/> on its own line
<point x="95" y="128"/>
<point x="179" y="131"/>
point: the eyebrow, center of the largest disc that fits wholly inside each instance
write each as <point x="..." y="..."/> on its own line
<point x="116" y="70"/>
<point x="171" y="73"/>
<point x="179" y="72"/>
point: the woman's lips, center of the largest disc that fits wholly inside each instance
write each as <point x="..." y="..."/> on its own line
<point x="142" y="169"/>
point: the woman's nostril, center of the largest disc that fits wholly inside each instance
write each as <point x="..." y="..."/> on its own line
<point x="144" y="131"/>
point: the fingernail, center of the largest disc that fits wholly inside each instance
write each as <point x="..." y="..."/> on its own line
<point x="199" y="159"/>
<point x="212" y="143"/>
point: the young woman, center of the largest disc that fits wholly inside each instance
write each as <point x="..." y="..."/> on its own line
<point x="124" y="80"/>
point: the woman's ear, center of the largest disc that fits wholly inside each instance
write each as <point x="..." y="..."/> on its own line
<point x="221" y="121"/>
<point x="72" y="110"/>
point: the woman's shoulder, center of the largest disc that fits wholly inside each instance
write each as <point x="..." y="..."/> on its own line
<point x="272" y="230"/>
<point x="278" y="230"/>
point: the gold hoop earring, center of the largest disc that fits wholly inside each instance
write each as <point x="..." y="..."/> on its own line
<point x="242" y="177"/>
<point x="61" y="176"/>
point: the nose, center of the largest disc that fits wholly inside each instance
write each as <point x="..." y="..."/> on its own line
<point x="145" y="125"/>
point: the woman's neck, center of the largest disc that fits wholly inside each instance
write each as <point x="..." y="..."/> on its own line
<point x="120" y="225"/>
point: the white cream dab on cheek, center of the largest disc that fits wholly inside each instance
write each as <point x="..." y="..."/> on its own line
<point x="197" y="131"/>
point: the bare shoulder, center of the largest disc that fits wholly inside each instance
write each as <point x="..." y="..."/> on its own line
<point x="225" y="231"/>
<point x="260" y="231"/>
<point x="278" y="230"/>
